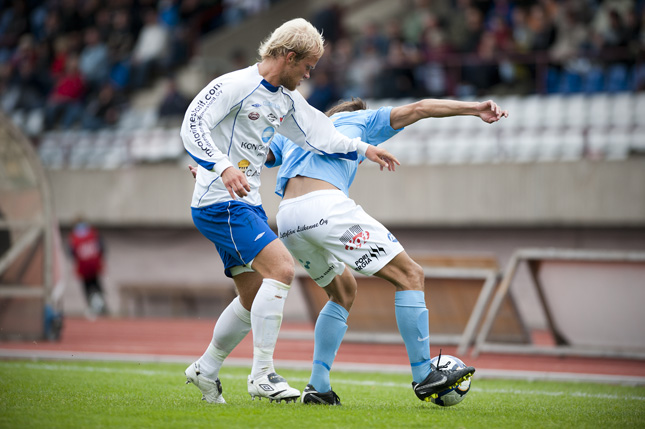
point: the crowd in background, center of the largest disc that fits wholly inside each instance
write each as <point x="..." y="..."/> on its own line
<point x="467" y="48"/>
<point x="80" y="61"/>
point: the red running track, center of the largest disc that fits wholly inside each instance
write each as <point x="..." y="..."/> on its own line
<point x="188" y="338"/>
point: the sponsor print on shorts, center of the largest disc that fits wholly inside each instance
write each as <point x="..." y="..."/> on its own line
<point x="373" y="253"/>
<point x="301" y="228"/>
<point x="354" y="237"/>
<point x="306" y="264"/>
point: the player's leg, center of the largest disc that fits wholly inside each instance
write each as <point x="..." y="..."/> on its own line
<point x="412" y="320"/>
<point x="240" y="233"/>
<point x="275" y="265"/>
<point x="313" y="210"/>
<point x="410" y="311"/>
<point x="329" y="331"/>
<point x="230" y="329"/>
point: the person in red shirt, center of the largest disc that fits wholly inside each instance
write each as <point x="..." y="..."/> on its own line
<point x="86" y="247"/>
<point x="66" y="98"/>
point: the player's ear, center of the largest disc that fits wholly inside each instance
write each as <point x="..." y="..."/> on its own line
<point x="291" y="57"/>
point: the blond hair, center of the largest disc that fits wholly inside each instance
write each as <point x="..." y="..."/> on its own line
<point x="297" y="35"/>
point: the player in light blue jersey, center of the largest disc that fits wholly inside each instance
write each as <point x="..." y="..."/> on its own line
<point x="227" y="130"/>
<point x="327" y="232"/>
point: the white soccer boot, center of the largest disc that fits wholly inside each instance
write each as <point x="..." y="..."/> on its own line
<point x="211" y="389"/>
<point x="272" y="386"/>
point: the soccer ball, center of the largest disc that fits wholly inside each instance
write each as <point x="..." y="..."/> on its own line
<point x="457" y="394"/>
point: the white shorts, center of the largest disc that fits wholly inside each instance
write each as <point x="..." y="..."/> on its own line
<point x="324" y="230"/>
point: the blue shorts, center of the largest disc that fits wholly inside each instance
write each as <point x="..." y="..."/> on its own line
<point x="238" y="230"/>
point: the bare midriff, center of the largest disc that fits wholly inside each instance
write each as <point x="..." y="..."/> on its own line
<point x="300" y="185"/>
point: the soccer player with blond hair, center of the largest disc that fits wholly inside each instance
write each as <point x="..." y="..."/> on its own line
<point x="227" y="130"/>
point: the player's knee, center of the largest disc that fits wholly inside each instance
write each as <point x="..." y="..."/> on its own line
<point x="344" y="298"/>
<point x="414" y="277"/>
<point x="284" y="272"/>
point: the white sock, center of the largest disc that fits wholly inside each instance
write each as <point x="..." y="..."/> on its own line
<point x="231" y="328"/>
<point x="266" y="318"/>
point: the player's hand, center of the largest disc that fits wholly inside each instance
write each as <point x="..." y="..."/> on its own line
<point x="235" y="182"/>
<point x="193" y="171"/>
<point x="490" y="112"/>
<point x="382" y="157"/>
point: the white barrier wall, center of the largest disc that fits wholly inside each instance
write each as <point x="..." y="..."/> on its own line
<point x="593" y="193"/>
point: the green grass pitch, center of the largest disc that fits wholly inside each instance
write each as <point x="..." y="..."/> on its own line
<point x="55" y="394"/>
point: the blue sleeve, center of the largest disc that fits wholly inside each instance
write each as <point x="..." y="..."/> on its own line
<point x="378" y="128"/>
<point x="276" y="147"/>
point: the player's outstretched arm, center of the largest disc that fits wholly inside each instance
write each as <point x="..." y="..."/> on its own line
<point x="402" y="116"/>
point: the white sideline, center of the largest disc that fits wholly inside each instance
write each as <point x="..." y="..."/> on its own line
<point x="481" y="373"/>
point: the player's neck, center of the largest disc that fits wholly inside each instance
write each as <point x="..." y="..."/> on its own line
<point x="270" y="69"/>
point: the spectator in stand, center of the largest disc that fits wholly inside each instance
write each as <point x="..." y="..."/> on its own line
<point x="329" y="20"/>
<point x="14" y="23"/>
<point x="103" y="23"/>
<point x="484" y="74"/>
<point x="174" y="104"/>
<point x="70" y="17"/>
<point x="87" y="250"/>
<point x="474" y="20"/>
<point x="398" y="75"/>
<point x="65" y="100"/>
<point x="542" y="29"/>
<point x="93" y="60"/>
<point x="104" y="110"/>
<point x="27" y="89"/>
<point x="149" y="50"/>
<point x="120" y="43"/>
<point x="363" y="71"/>
<point x="323" y="92"/>
<point x="434" y="50"/>
<point x="59" y="57"/>
<point x="372" y="38"/>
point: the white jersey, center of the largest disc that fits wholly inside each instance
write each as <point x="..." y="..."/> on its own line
<point x="232" y="121"/>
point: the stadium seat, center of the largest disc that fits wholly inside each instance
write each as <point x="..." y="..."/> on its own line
<point x="533" y="114"/>
<point x="619" y="144"/>
<point x="639" y="108"/>
<point x="575" y="111"/>
<point x="81" y="150"/>
<point x="622" y="110"/>
<point x="554" y="107"/>
<point x="515" y="112"/>
<point x="617" y="78"/>
<point x="594" y="82"/>
<point x="51" y="150"/>
<point x="484" y="148"/>
<point x="549" y="145"/>
<point x="117" y="154"/>
<point x="599" y="110"/>
<point x="637" y="141"/>
<point x="572" y="144"/>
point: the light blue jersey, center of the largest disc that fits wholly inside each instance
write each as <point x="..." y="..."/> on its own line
<point x="372" y="126"/>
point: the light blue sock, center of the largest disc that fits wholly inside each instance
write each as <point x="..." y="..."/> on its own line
<point x="328" y="334"/>
<point x="412" y="319"/>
